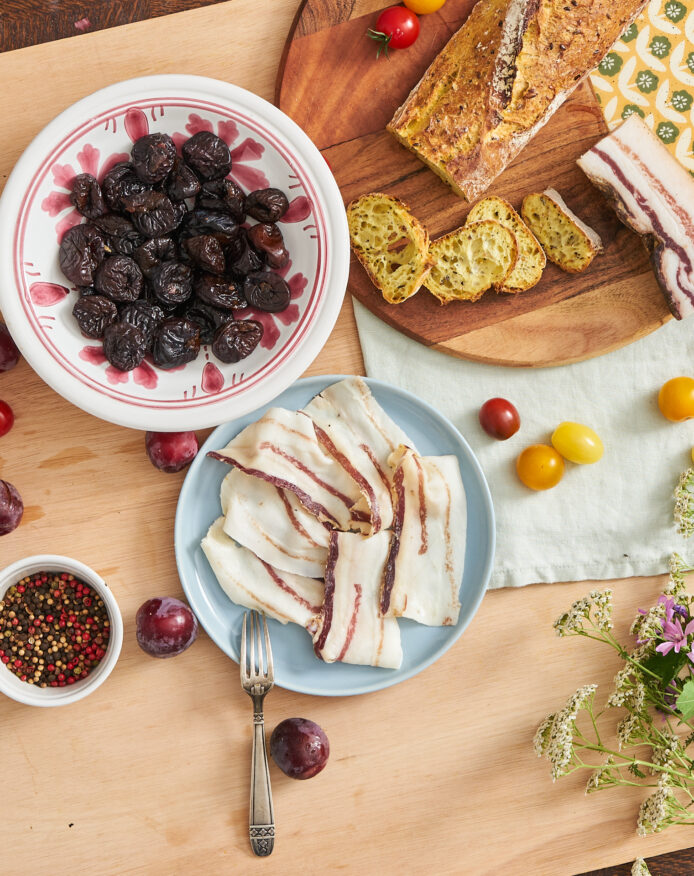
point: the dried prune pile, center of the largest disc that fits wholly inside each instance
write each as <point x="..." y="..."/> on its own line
<point x="170" y="250"/>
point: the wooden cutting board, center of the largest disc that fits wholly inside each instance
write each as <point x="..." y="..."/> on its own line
<point x="333" y="85"/>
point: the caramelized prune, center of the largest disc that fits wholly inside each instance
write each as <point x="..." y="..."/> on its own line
<point x="87" y="197"/>
<point x="81" y="253"/>
<point x="266" y="239"/>
<point x="176" y="341"/>
<point x="266" y="205"/>
<point x="145" y="315"/>
<point x="120" y="182"/>
<point x="208" y="155"/>
<point x="153" y="157"/>
<point x="222" y="292"/>
<point x="234" y="341"/>
<point x="85" y="291"/>
<point x="172" y="283"/>
<point x="207" y="318"/>
<point x="206" y="251"/>
<point x="243" y="259"/>
<point x="93" y="314"/>
<point x="182" y="182"/>
<point x="121" y="235"/>
<point x="153" y="214"/>
<point x="124" y="346"/>
<point x="119" y="278"/>
<point x="211" y="222"/>
<point x="154" y="252"/>
<point x="224" y="195"/>
<point x="267" y="291"/>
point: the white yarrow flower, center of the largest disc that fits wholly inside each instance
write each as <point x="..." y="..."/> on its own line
<point x="554" y="737"/>
<point x="684" y="503"/>
<point x="601" y="777"/>
<point x="599" y="602"/>
<point x="640" y="868"/>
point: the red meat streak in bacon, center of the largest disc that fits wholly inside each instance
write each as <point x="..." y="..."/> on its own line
<point x="364" y="485"/>
<point x="288" y="589"/>
<point x="424" y="542"/>
<point x="352" y="622"/>
<point x="372" y="456"/>
<point x="308" y="503"/>
<point x="398" y="517"/>
<point x="292" y="517"/>
<point x="329" y="597"/>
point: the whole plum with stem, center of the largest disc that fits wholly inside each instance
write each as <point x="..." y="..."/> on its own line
<point x="165" y="626"/>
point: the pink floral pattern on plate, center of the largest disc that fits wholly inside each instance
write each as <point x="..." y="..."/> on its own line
<point x="257" y="162"/>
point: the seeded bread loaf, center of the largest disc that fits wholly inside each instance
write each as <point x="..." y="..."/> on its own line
<point x="500" y="78"/>
<point x="566" y="239"/>
<point x="390" y="243"/>
<point x="531" y="259"/>
<point x="470" y="260"/>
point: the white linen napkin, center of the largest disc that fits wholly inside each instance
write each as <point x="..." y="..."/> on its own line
<point x="613" y="519"/>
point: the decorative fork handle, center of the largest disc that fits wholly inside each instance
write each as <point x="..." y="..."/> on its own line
<point x="261" y="827"/>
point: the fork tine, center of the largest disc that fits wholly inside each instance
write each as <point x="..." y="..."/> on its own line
<point x="260" y="645"/>
<point x="252" y="637"/>
<point x="270" y="668"/>
<point x="243" y="656"/>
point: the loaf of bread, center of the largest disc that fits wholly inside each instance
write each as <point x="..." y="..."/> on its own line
<point x="567" y="240"/>
<point x="531" y="259"/>
<point x="500" y="78"/>
<point x="391" y="244"/>
<point x="470" y="260"/>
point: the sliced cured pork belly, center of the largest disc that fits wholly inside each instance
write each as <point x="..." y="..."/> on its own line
<point x="654" y="195"/>
<point x="355" y="430"/>
<point x="424" y="567"/>
<point x="350" y="628"/>
<point x="274" y="524"/>
<point x="282" y="449"/>
<point x="250" y="582"/>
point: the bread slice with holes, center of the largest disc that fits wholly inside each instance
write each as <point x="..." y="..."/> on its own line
<point x="531" y="259"/>
<point x="391" y="244"/>
<point x="470" y="260"/>
<point x="567" y="240"/>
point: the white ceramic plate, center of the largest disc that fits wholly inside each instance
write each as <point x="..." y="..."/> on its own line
<point x="268" y="149"/>
<point x="296" y="666"/>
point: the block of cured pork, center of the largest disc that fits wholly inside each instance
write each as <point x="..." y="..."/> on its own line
<point x="250" y="582"/>
<point x="350" y="627"/>
<point x="654" y="195"/>
<point x="355" y="430"/>
<point x="424" y="567"/>
<point x="282" y="449"/>
<point x="273" y="524"/>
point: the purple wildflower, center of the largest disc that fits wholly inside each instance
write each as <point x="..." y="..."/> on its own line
<point x="674" y="636"/>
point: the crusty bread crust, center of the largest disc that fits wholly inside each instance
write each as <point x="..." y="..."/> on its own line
<point x="500" y="78"/>
<point x="565" y="238"/>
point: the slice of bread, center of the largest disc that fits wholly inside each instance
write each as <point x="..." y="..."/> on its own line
<point x="531" y="258"/>
<point x="568" y="241"/>
<point x="470" y="260"/>
<point x="390" y="243"/>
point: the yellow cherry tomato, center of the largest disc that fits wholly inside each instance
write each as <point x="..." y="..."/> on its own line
<point x="676" y="399"/>
<point x="424" y="7"/>
<point x="577" y="443"/>
<point x="692" y="454"/>
<point x="540" y="467"/>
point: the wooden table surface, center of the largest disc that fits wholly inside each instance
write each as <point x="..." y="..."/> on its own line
<point x="150" y="774"/>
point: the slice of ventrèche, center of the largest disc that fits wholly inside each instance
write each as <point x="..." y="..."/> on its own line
<point x="273" y="524"/>
<point x="350" y="628"/>
<point x="424" y="569"/>
<point x="654" y="195"/>
<point x="250" y="582"/>
<point x="355" y="430"/>
<point x="282" y="449"/>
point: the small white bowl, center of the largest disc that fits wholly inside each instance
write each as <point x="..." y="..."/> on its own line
<point x="61" y="696"/>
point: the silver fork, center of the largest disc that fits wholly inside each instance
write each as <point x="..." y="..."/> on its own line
<point x="257" y="681"/>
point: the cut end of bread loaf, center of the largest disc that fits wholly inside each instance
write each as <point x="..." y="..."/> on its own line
<point x="470" y="260"/>
<point x="531" y="259"/>
<point x="567" y="240"/>
<point x="391" y="244"/>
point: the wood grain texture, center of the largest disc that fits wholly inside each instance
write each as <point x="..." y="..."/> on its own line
<point x="345" y="99"/>
<point x="150" y="775"/>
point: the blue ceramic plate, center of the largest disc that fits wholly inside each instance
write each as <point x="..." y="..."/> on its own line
<point x="296" y="666"/>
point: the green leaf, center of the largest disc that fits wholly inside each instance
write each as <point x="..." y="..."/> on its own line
<point x="685" y="701"/>
<point x="636" y="771"/>
<point x="665" y="666"/>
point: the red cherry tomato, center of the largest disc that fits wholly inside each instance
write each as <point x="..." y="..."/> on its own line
<point x="396" y="28"/>
<point x="499" y="418"/>
<point x="6" y="418"/>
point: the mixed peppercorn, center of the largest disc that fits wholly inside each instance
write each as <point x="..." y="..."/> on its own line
<point x="54" y="629"/>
